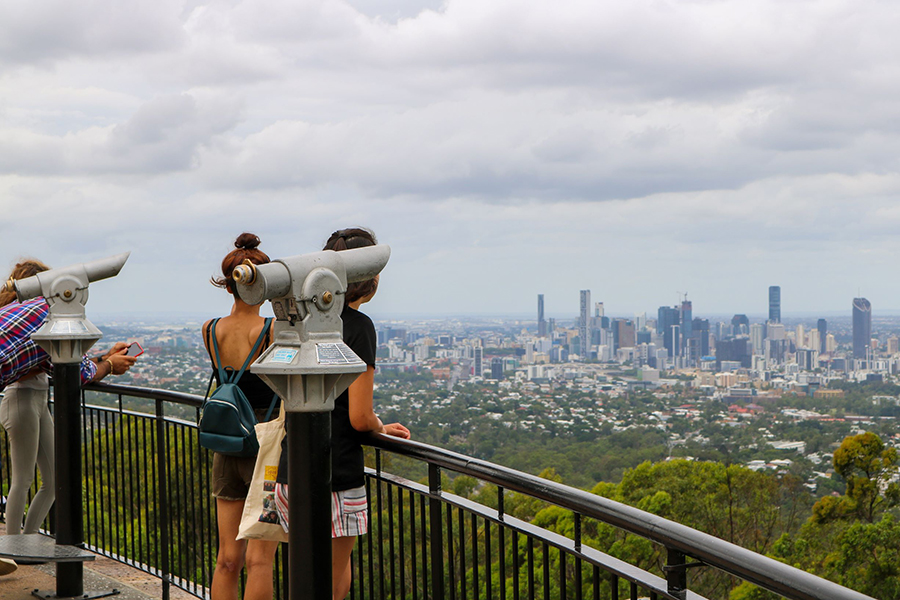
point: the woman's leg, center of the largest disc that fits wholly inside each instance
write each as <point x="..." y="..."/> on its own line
<point x="260" y="567"/>
<point x="43" y="500"/>
<point x="21" y="421"/>
<point x="341" y="548"/>
<point x="230" y="559"/>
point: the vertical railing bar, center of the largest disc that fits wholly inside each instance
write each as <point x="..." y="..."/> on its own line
<point x="451" y="564"/>
<point x="563" y="591"/>
<point x="634" y="590"/>
<point x="391" y="542"/>
<point x="400" y="528"/>
<point x="475" y="594"/>
<point x="131" y="502"/>
<point x="424" y="529"/>
<point x="412" y="538"/>
<point x="515" y="559"/>
<point x="436" y="531"/>
<point x="361" y="567"/>
<point x="115" y="543"/>
<point x="596" y="582"/>
<point x="501" y="541"/>
<point x="462" y="555"/>
<point x="546" y="552"/>
<point x="488" y="575"/>
<point x="579" y="583"/>
<point x="380" y="500"/>
<point x="613" y="586"/>
<point x="194" y="523"/>
<point x="162" y="496"/>
<point x="529" y="547"/>
<point x="369" y="542"/>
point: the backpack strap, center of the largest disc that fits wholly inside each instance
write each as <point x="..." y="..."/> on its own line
<point x="259" y="340"/>
<point x="215" y="345"/>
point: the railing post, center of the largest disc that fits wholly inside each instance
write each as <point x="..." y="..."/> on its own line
<point x="437" y="532"/>
<point x="162" y="500"/>
<point x="676" y="573"/>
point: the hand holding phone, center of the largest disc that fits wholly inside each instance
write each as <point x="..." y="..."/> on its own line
<point x="134" y="350"/>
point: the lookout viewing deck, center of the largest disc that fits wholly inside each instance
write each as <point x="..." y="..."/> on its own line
<point x="150" y="520"/>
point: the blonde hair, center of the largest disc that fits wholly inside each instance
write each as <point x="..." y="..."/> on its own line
<point x="26" y="267"/>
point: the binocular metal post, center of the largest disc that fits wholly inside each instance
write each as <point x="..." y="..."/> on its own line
<point x="309" y="479"/>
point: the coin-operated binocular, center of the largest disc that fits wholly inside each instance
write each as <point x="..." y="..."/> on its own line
<point x="67" y="333"/>
<point x="308" y="364"/>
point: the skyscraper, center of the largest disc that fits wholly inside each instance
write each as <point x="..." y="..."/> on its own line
<point x="479" y="361"/>
<point x="687" y="319"/>
<point x="822" y="326"/>
<point x="775" y="304"/>
<point x="862" y="327"/>
<point x="542" y="324"/>
<point x="584" y="325"/>
<point x="667" y="317"/>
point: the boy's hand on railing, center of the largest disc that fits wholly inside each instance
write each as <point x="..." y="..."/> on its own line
<point x="396" y="430"/>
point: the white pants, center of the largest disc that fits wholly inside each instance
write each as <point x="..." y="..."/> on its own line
<point x="29" y="427"/>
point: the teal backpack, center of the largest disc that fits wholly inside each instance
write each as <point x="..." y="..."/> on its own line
<point x="227" y="421"/>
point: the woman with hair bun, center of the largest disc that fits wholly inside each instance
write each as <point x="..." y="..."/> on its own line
<point x="353" y="415"/>
<point x="236" y="335"/>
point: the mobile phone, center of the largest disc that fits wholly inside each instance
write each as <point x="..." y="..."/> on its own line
<point x="134" y="350"/>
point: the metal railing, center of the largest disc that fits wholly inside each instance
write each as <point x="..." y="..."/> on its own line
<point x="147" y="504"/>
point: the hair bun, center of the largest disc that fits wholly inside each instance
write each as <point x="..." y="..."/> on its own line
<point x="247" y="241"/>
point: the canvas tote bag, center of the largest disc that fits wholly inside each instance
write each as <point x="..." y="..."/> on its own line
<point x="260" y="519"/>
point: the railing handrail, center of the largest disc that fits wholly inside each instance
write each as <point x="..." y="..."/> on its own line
<point x="763" y="571"/>
<point x="193" y="400"/>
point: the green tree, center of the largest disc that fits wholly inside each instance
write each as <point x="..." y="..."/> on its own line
<point x="867" y="466"/>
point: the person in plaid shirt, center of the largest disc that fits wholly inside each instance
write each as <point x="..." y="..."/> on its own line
<point x="24" y="413"/>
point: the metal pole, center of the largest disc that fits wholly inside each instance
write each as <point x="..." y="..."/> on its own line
<point x="69" y="514"/>
<point x="309" y="484"/>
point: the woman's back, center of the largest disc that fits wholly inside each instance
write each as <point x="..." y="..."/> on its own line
<point x="236" y="336"/>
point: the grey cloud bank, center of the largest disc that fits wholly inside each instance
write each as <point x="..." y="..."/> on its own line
<point x="502" y="148"/>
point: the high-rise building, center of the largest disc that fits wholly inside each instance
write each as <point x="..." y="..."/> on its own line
<point x="740" y="325"/>
<point x="479" y="361"/>
<point x="757" y="338"/>
<point x="700" y="330"/>
<point x="623" y="333"/>
<point x="584" y="325"/>
<point x="687" y="321"/>
<point x="542" y="324"/>
<point x="598" y="309"/>
<point x="862" y="327"/>
<point x="497" y="368"/>
<point x="822" y="326"/>
<point x="775" y="303"/>
<point x="667" y="317"/>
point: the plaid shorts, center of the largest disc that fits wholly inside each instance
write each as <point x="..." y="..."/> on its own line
<point x="349" y="511"/>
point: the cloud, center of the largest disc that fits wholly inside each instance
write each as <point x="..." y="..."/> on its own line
<point x="45" y="30"/>
<point x="163" y="135"/>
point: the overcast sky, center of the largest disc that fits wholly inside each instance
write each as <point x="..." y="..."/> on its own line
<point x="502" y="148"/>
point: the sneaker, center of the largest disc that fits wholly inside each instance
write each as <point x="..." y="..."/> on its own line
<point x="7" y="566"/>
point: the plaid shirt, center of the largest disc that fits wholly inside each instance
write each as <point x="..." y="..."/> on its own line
<point x="18" y="353"/>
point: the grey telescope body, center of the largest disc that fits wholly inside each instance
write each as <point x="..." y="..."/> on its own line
<point x="74" y="278"/>
<point x="67" y="333"/>
<point x="308" y="364"/>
